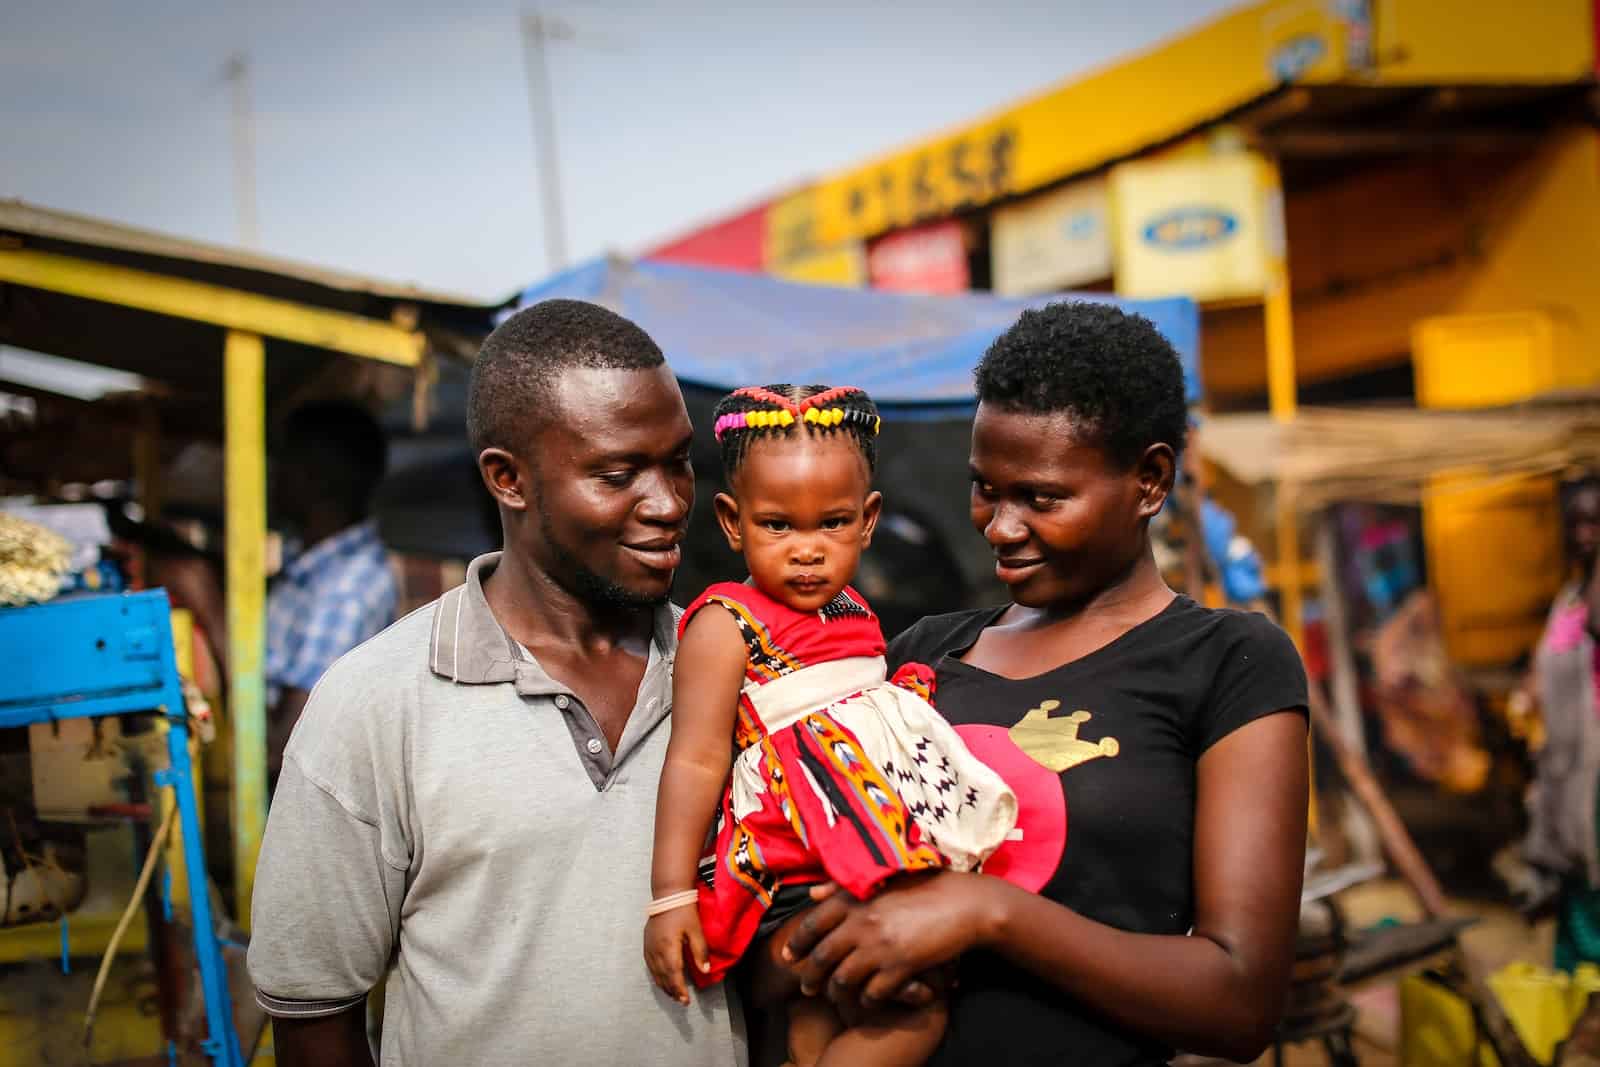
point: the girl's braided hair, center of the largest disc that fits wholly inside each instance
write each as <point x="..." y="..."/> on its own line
<point x="782" y="410"/>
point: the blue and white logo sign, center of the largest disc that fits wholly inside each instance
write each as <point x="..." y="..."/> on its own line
<point x="1296" y="56"/>
<point x="1081" y="226"/>
<point x="1190" y="228"/>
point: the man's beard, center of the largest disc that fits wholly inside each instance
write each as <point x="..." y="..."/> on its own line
<point x="599" y="593"/>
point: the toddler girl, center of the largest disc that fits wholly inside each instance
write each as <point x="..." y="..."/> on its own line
<point x="784" y="727"/>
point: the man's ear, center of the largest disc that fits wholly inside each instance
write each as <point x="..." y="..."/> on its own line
<point x="504" y="478"/>
<point x="727" y="509"/>
<point x="1157" y="468"/>
<point x="871" y="512"/>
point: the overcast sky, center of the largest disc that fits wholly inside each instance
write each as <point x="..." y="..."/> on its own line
<point x="394" y="138"/>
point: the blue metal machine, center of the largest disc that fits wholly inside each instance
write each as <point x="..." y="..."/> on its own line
<point x="86" y="656"/>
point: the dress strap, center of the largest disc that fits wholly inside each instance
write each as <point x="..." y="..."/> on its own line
<point x="786" y="700"/>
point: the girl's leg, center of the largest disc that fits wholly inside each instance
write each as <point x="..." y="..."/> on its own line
<point x="894" y="1037"/>
<point x="813" y="1024"/>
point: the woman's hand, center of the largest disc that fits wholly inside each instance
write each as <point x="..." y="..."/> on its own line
<point x="866" y="953"/>
<point x="667" y="938"/>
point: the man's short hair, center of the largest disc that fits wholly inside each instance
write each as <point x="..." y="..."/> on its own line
<point x="519" y="362"/>
<point x="1111" y="371"/>
<point x="343" y="444"/>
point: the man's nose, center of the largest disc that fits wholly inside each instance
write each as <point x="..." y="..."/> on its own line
<point x="664" y="501"/>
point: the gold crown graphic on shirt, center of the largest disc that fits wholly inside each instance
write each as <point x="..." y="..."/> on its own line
<point x="1054" y="742"/>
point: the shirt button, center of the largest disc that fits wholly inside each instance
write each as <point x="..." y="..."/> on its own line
<point x="594" y="746"/>
<point x="562" y="702"/>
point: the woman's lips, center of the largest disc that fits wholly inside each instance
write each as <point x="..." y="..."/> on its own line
<point x="1014" y="570"/>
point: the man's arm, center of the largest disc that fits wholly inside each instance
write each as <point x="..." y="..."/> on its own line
<point x="331" y="1041"/>
<point x="280" y="724"/>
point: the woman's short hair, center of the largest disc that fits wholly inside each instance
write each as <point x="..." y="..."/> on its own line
<point x="1110" y="370"/>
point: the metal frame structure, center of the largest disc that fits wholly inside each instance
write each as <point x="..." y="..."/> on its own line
<point x="97" y="655"/>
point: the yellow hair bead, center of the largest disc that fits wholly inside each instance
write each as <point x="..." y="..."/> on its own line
<point x="877" y="424"/>
<point x="837" y="415"/>
<point x="785" y="419"/>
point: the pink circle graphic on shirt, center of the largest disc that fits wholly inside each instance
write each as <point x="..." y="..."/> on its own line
<point x="1030" y="861"/>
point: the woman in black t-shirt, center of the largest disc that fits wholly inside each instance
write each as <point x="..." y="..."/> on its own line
<point x="1157" y="747"/>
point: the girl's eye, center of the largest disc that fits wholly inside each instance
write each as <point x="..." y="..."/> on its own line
<point x="775" y="525"/>
<point x="835" y="524"/>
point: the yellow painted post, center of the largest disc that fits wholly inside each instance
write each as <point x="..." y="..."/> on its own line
<point x="183" y="647"/>
<point x="1281" y="388"/>
<point x="244" y="388"/>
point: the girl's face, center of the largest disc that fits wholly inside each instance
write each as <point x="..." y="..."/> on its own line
<point x="800" y="513"/>
<point x="1065" y="521"/>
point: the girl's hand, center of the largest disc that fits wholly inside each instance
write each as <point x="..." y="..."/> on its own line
<point x="666" y="937"/>
<point x="867" y="953"/>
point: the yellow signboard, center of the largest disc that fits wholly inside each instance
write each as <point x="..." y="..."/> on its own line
<point x="1208" y="229"/>
<point x="844" y="265"/>
<point x="1124" y="109"/>
<point x="1053" y="241"/>
<point x="1114" y="113"/>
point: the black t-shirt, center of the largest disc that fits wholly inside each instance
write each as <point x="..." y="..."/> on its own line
<point x="1101" y="752"/>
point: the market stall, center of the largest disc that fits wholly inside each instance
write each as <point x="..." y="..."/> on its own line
<point x="222" y="342"/>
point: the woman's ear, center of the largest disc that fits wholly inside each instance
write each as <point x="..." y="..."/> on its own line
<point x="727" y="509"/>
<point x="502" y="476"/>
<point x="871" y="511"/>
<point x="1156" y="470"/>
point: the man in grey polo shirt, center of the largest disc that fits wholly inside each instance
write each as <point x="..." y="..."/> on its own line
<point x="468" y="801"/>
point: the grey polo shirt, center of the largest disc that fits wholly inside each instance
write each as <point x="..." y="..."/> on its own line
<point x="452" y="816"/>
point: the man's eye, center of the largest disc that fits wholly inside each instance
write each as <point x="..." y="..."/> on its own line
<point x="1042" y="501"/>
<point x="983" y="489"/>
<point x="617" y="479"/>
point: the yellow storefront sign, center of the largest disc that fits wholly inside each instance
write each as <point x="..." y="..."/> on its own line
<point x="1207" y="229"/>
<point x="844" y="265"/>
<point x="1114" y="113"/>
<point x="1053" y="241"/>
<point x="1190" y="82"/>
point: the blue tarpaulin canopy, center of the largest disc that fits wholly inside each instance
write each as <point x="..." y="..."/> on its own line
<point x="913" y="353"/>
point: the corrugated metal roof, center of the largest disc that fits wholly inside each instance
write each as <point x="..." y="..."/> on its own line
<point x="30" y="220"/>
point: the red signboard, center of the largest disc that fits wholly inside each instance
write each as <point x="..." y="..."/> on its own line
<point x="926" y="259"/>
<point x="733" y="243"/>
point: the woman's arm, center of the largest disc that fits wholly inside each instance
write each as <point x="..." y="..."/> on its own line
<point x="707" y="675"/>
<point x="1218" y="991"/>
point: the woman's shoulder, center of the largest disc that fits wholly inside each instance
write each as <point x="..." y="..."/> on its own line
<point x="931" y="637"/>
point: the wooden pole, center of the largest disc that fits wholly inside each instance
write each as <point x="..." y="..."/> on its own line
<point x="244" y="377"/>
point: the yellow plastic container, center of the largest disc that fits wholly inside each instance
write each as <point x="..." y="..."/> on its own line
<point x="1469" y="361"/>
<point x="1437" y="1030"/>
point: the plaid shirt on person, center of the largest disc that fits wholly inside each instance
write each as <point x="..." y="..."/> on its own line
<point x="326" y="601"/>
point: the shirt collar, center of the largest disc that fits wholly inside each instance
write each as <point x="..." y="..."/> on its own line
<point x="470" y="647"/>
<point x="347" y="542"/>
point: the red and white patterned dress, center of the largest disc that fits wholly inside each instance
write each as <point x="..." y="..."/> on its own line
<point x="840" y="775"/>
